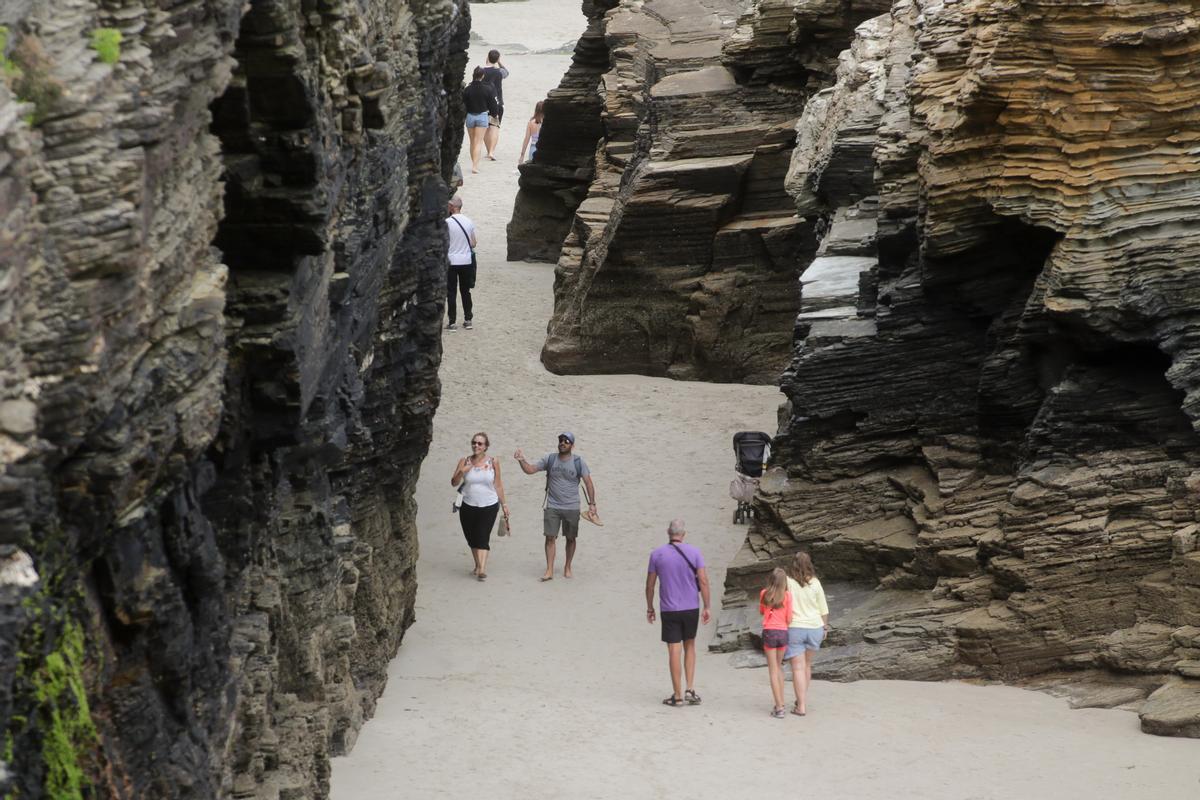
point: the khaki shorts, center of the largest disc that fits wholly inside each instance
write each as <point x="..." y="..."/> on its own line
<point x="567" y="517"/>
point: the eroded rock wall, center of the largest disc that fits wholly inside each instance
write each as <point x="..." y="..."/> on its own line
<point x="681" y="257"/>
<point x="992" y="409"/>
<point x="221" y="261"/>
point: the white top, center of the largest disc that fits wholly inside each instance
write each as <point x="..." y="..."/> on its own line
<point x="460" y="245"/>
<point x="479" y="486"/>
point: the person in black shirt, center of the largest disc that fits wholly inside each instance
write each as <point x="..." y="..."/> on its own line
<point x="494" y="74"/>
<point x="480" y="102"/>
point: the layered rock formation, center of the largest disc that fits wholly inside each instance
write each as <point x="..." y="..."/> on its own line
<point x="679" y="259"/>
<point x="218" y="352"/>
<point x="993" y="411"/>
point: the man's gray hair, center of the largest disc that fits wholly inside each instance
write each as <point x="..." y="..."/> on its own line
<point x="676" y="529"/>
<point x="456" y="201"/>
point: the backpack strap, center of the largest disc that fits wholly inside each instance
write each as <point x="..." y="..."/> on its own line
<point x="578" y="477"/>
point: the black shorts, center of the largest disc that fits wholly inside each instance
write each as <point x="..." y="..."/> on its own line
<point x="680" y="626"/>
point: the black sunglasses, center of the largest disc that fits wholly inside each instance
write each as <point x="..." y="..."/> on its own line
<point x="481" y="444"/>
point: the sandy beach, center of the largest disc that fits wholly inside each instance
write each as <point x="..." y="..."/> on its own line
<point x="513" y="688"/>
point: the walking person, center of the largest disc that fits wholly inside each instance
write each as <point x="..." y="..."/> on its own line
<point x="533" y="131"/>
<point x="482" y="497"/>
<point x="564" y="472"/>
<point x="479" y="100"/>
<point x="807" y="628"/>
<point x="494" y="74"/>
<point x="775" y="605"/>
<point x="681" y="575"/>
<point x="461" y="270"/>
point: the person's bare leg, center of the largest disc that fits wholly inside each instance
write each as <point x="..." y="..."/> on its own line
<point x="570" y="555"/>
<point x="798" y="684"/>
<point x="673" y="650"/>
<point x="550" y="553"/>
<point x="483" y="557"/>
<point x="475" y="558"/>
<point x="476" y="136"/>
<point x="803" y="701"/>
<point x="775" y="672"/>
<point x="491" y="138"/>
<point x="689" y="662"/>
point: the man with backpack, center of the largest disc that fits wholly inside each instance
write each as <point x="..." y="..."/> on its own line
<point x="681" y="574"/>
<point x="564" y="472"/>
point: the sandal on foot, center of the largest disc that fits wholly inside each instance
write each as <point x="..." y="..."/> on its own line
<point x="796" y="710"/>
<point x="691" y="697"/>
<point x="673" y="702"/>
<point x="778" y="713"/>
<point x="481" y="576"/>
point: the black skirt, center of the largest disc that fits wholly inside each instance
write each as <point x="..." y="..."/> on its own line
<point x="477" y="524"/>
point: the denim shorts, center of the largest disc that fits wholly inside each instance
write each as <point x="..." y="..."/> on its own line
<point x="801" y="639"/>
<point x="479" y="120"/>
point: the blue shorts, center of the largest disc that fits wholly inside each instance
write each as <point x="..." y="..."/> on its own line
<point x="477" y="120"/>
<point x="801" y="639"/>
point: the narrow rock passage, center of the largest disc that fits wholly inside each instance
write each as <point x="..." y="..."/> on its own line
<point x="517" y="689"/>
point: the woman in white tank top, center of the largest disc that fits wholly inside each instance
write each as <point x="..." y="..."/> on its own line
<point x="483" y="497"/>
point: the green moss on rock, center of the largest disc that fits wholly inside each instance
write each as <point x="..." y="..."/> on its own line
<point x="107" y="44"/>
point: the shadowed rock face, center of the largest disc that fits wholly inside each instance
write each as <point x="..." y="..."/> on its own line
<point x="680" y="258"/>
<point x="208" y="453"/>
<point x="992" y="406"/>
<point x="556" y="181"/>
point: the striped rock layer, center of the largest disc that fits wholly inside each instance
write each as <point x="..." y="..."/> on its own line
<point x="992" y="410"/>
<point x="221" y="286"/>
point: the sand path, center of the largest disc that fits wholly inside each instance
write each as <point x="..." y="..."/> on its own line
<point x="517" y="689"/>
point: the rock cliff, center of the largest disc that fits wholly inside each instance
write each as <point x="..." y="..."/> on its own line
<point x="220" y="301"/>
<point x="993" y="405"/>
<point x="676" y="244"/>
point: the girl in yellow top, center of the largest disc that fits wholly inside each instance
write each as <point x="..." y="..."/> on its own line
<point x="806" y="627"/>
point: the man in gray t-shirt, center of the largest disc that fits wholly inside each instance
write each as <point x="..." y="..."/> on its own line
<point x="564" y="471"/>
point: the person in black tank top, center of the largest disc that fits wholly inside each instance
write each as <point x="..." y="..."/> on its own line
<point x="494" y="74"/>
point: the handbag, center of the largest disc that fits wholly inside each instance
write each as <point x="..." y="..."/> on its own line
<point x="470" y="281"/>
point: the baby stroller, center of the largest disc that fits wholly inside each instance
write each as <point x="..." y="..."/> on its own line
<point x="752" y="449"/>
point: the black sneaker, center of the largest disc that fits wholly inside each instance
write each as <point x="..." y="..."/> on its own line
<point x="467" y="325"/>
<point x="451" y="327"/>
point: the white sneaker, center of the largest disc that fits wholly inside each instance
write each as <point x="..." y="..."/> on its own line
<point x="467" y="325"/>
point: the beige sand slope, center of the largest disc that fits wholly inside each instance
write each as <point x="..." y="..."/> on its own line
<point x="517" y="689"/>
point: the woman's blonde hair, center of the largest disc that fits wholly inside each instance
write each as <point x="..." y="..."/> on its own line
<point x="776" y="589"/>
<point x="801" y="569"/>
<point x="486" y="441"/>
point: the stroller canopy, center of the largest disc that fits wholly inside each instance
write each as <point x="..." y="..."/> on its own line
<point x="751" y="449"/>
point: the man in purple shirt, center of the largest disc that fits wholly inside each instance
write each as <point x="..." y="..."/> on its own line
<point x="680" y="572"/>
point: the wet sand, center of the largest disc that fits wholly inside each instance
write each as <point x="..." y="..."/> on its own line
<point x="514" y="688"/>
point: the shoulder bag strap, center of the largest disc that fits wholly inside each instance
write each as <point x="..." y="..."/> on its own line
<point x="695" y="572"/>
<point x="464" y="230"/>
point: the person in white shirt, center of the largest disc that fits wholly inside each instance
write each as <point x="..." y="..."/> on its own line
<point x="806" y="628"/>
<point x="482" y="497"/>
<point x="461" y="270"/>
